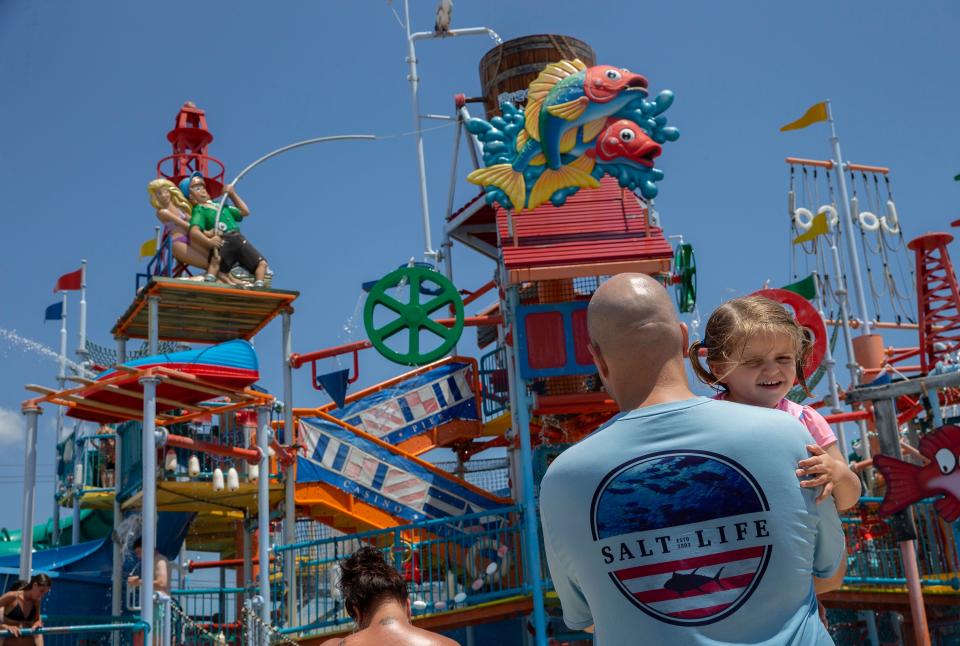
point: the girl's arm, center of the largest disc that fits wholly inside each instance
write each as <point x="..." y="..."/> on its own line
<point x="826" y="468"/>
<point x="846" y="491"/>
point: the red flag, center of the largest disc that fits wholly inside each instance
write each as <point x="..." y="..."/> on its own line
<point x="69" y="281"/>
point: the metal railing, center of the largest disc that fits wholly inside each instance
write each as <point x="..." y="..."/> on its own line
<point x="213" y="611"/>
<point x="493" y="383"/>
<point x="69" y="631"/>
<point x="448" y="563"/>
<point x="874" y="557"/>
<point x="94" y="467"/>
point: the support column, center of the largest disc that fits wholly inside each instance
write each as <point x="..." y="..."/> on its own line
<point x="902" y="524"/>
<point x="153" y="324"/>
<point x="116" y="580"/>
<point x="80" y="454"/>
<point x="289" y="487"/>
<point x="520" y="408"/>
<point x="121" y="349"/>
<point x="263" y="510"/>
<point x="247" y="557"/>
<point x="148" y="456"/>
<point x="32" y="412"/>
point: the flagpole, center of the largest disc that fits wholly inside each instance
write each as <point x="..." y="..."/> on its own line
<point x="82" y="350"/>
<point x="848" y="218"/>
<point x="61" y="379"/>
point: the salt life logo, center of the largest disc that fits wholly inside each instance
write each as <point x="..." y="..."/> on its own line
<point x="684" y="535"/>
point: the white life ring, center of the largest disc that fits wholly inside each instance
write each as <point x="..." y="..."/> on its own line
<point x="868" y="221"/>
<point x="479" y="564"/>
<point x="802" y="219"/>
<point x="891" y="221"/>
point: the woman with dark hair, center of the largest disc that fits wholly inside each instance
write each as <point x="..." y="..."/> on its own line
<point x="375" y="596"/>
<point x="21" y="609"/>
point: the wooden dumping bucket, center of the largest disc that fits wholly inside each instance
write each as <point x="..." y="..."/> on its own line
<point x="507" y="69"/>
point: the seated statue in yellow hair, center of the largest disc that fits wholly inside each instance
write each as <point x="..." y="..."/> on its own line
<point x="173" y="211"/>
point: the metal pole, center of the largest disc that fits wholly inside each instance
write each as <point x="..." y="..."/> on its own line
<point x="116" y="582"/>
<point x="148" y="457"/>
<point x="82" y="349"/>
<point x="247" y="557"/>
<point x="62" y="375"/>
<point x="56" y="511"/>
<point x="521" y="418"/>
<point x="428" y="251"/>
<point x="280" y="151"/>
<point x="902" y="524"/>
<point x="289" y="490"/>
<point x="153" y="325"/>
<point x="263" y="510"/>
<point x="32" y="411"/>
<point x="848" y="219"/>
<point x="830" y="364"/>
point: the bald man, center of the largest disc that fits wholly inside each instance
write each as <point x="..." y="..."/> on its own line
<point x="682" y="521"/>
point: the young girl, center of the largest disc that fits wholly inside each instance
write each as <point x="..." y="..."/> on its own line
<point x="755" y="353"/>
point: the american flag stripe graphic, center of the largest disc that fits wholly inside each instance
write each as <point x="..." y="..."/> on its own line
<point x="647" y="583"/>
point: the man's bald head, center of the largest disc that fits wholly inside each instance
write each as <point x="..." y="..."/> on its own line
<point x="634" y="326"/>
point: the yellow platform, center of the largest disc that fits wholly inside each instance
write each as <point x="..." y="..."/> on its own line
<point x="200" y="497"/>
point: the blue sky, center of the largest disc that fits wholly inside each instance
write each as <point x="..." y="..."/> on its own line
<point x="92" y="88"/>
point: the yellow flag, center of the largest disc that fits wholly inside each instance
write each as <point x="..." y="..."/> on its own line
<point x="818" y="226"/>
<point x="814" y="114"/>
<point x="149" y="248"/>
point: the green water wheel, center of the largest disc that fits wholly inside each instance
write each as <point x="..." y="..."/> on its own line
<point x="685" y="277"/>
<point x="413" y="316"/>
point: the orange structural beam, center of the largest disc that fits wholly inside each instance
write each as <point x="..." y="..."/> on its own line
<point x="472" y="296"/>
<point x="250" y="455"/>
<point x="204" y="565"/>
<point x="828" y="164"/>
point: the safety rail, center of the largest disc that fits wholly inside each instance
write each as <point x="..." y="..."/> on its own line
<point x="448" y="563"/>
<point x="63" y="631"/>
<point x="494" y="384"/>
<point x="874" y="558"/>
<point x="93" y="465"/>
<point x="211" y="611"/>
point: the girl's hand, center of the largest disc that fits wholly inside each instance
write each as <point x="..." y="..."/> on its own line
<point x="822" y="470"/>
<point x="14" y="630"/>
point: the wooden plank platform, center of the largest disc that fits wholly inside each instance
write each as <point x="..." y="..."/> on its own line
<point x="196" y="312"/>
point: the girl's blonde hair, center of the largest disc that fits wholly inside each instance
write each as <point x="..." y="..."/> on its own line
<point x="176" y="196"/>
<point x="739" y="319"/>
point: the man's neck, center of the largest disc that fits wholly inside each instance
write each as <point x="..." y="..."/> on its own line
<point x="386" y="614"/>
<point x="664" y="389"/>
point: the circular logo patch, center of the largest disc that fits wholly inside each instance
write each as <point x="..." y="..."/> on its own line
<point x="682" y="534"/>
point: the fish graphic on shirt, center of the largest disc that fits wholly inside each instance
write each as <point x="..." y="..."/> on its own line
<point x="683" y="583"/>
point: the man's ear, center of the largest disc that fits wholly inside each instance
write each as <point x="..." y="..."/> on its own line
<point x="406" y="607"/>
<point x="598" y="359"/>
<point x="685" y="331"/>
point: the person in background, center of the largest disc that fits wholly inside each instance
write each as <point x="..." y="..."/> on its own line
<point x="376" y="597"/>
<point x="161" y="570"/>
<point x="21" y="609"/>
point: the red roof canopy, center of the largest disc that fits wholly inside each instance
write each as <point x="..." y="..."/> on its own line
<point x="597" y="232"/>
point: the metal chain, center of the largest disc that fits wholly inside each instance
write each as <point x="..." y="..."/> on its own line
<point x="276" y="636"/>
<point x="194" y="625"/>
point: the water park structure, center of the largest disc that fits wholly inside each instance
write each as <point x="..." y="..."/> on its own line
<point x="193" y="453"/>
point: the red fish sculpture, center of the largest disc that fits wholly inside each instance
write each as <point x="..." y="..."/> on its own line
<point x="908" y="483"/>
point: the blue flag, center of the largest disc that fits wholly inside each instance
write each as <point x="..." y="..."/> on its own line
<point x="54" y="312"/>
<point x="335" y="383"/>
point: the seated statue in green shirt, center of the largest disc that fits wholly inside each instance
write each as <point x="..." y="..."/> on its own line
<point x="230" y="247"/>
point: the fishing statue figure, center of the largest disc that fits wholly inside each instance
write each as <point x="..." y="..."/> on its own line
<point x="230" y="248"/>
<point x="579" y="124"/>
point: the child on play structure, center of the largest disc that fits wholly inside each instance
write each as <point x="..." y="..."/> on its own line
<point x="234" y="248"/>
<point x="755" y="352"/>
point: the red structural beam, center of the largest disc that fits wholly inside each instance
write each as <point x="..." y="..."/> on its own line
<point x="472" y="296"/>
<point x="205" y="565"/>
<point x="250" y="455"/>
<point x="298" y="360"/>
<point x="852" y="416"/>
